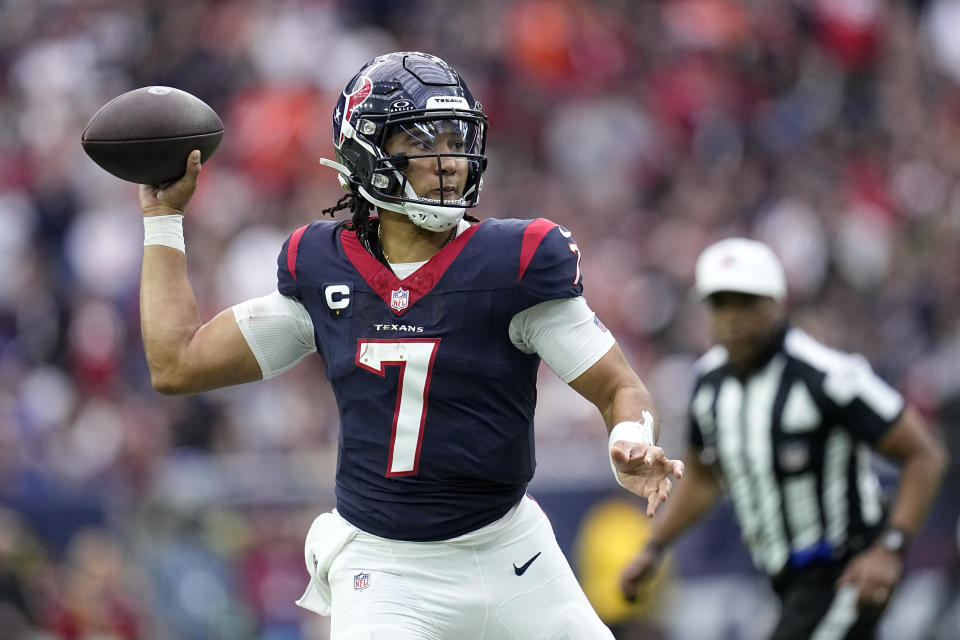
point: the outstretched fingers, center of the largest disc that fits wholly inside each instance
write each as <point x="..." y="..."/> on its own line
<point x="651" y="454"/>
<point x="658" y="497"/>
<point x="678" y="468"/>
<point x="646" y="471"/>
<point x="633" y="456"/>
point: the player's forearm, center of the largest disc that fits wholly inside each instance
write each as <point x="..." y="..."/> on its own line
<point x="168" y="315"/>
<point x="922" y="461"/>
<point x="628" y="403"/>
<point x="617" y="391"/>
<point x="920" y="478"/>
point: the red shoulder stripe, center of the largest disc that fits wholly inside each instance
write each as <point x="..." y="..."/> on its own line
<point x="532" y="236"/>
<point x="292" y="249"/>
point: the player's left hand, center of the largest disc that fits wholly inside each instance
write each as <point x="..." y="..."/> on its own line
<point x="875" y="572"/>
<point x="643" y="469"/>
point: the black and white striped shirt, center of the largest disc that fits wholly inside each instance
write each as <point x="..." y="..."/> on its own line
<point x="792" y="443"/>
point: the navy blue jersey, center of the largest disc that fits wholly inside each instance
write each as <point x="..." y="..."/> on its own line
<point x="436" y="404"/>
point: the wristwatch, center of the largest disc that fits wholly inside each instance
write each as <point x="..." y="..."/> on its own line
<point x="894" y="540"/>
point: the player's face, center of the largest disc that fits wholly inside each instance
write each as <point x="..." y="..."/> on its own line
<point x="433" y="176"/>
<point x="744" y="324"/>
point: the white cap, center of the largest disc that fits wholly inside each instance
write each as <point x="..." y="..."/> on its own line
<point x="741" y="265"/>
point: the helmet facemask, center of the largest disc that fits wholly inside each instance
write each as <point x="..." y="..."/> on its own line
<point x="447" y="144"/>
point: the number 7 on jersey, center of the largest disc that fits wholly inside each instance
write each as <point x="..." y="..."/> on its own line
<point x="415" y="358"/>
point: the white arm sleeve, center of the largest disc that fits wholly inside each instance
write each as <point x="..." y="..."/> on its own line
<point x="278" y="330"/>
<point x="565" y="333"/>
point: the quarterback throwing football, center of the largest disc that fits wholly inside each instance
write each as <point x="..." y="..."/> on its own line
<point x="432" y="326"/>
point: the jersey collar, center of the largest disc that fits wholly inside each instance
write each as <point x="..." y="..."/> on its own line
<point x="385" y="282"/>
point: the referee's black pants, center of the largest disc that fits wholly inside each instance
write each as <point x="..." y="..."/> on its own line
<point x="813" y="609"/>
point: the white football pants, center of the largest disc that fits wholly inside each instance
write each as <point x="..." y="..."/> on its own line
<point x="506" y="581"/>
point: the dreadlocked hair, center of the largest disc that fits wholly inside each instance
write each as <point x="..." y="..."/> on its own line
<point x="359" y="207"/>
<point x="360" y="222"/>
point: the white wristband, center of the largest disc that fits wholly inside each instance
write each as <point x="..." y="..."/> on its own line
<point x="635" y="432"/>
<point x="165" y="230"/>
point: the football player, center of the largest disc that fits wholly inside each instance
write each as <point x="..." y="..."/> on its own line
<point x="432" y="326"/>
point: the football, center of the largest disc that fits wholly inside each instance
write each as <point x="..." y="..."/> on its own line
<point x="145" y="135"/>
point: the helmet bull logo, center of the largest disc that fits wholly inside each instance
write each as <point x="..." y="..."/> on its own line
<point x="354" y="100"/>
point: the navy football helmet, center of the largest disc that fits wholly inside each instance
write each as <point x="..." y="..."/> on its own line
<point x="422" y="97"/>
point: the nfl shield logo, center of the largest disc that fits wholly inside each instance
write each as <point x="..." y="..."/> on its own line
<point x="399" y="299"/>
<point x="361" y="581"/>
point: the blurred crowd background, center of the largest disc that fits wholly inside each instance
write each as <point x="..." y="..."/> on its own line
<point x="828" y="128"/>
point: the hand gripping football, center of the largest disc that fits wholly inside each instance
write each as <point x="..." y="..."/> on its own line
<point x="145" y="135"/>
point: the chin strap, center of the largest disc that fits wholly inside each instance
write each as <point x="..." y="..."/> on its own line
<point x="430" y="217"/>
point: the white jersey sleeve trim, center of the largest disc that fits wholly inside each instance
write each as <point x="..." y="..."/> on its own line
<point x="277" y="329"/>
<point x="565" y="333"/>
